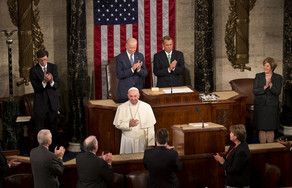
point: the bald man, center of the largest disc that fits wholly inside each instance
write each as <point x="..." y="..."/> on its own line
<point x="93" y="171"/>
<point x="136" y="120"/>
<point x="130" y="70"/>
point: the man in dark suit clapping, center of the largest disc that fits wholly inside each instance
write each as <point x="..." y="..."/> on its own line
<point x="169" y="65"/>
<point x="93" y="171"/>
<point x="46" y="166"/>
<point x="131" y="70"/>
<point x="162" y="162"/>
<point x="45" y="82"/>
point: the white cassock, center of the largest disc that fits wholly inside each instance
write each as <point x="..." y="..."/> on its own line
<point x="135" y="139"/>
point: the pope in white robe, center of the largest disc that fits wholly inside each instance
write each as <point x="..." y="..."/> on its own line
<point x="136" y="120"/>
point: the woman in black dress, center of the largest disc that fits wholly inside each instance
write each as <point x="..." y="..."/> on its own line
<point x="267" y="88"/>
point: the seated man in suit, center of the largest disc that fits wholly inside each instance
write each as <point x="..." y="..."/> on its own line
<point x="4" y="166"/>
<point x="93" y="171"/>
<point x="131" y="70"/>
<point x="169" y="65"/>
<point x="162" y="162"/>
<point x="46" y="166"/>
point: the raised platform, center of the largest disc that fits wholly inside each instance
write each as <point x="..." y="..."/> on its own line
<point x="169" y="109"/>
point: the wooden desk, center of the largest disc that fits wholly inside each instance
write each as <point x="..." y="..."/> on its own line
<point x="189" y="139"/>
<point x="199" y="170"/>
<point x="100" y="115"/>
<point x="164" y="97"/>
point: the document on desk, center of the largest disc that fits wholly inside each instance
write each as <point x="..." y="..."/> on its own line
<point x="198" y="125"/>
<point x="178" y="90"/>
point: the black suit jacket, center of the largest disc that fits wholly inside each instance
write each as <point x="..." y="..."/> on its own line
<point x="44" y="96"/>
<point x="162" y="163"/>
<point x="46" y="168"/>
<point x="160" y="69"/>
<point x="3" y="169"/>
<point x="270" y="96"/>
<point x="237" y="166"/>
<point x="127" y="78"/>
<point x="266" y="102"/>
<point x="93" y="171"/>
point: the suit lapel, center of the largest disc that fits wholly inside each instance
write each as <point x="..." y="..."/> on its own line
<point x="273" y="78"/>
<point x="165" y="59"/>
<point x="50" y="68"/>
<point x="173" y="55"/>
<point x="127" y="58"/>
<point x="39" y="71"/>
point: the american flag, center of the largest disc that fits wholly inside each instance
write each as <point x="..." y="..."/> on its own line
<point x="117" y="20"/>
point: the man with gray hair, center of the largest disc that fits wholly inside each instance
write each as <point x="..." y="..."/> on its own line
<point x="46" y="166"/>
<point x="93" y="171"/>
<point x="130" y="70"/>
<point x="136" y="120"/>
<point x="169" y="65"/>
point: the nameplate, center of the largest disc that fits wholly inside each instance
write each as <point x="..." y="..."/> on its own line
<point x="21" y="119"/>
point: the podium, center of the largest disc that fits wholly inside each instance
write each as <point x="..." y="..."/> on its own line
<point x="170" y="96"/>
<point x="193" y="139"/>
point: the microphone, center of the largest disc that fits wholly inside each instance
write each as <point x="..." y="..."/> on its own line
<point x="198" y="110"/>
<point x="171" y="77"/>
<point x="171" y="82"/>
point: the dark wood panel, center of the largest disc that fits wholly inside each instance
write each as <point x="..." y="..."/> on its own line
<point x="99" y="118"/>
<point x="199" y="170"/>
<point x="188" y="140"/>
<point x="100" y="124"/>
<point x="158" y="99"/>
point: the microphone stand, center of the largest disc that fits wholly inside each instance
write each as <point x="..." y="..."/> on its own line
<point x="199" y="111"/>
<point x="171" y="82"/>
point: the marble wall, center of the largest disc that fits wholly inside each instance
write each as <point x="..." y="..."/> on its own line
<point x="7" y="25"/>
<point x="265" y="39"/>
<point x="53" y="25"/>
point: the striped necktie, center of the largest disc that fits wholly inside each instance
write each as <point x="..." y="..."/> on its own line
<point x="169" y="58"/>
<point x="132" y="59"/>
<point x="45" y="70"/>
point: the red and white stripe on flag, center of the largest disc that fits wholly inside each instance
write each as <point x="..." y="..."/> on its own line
<point x="156" y="18"/>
